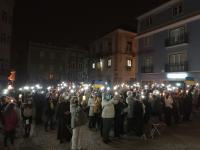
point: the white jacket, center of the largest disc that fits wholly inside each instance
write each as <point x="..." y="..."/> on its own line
<point x="169" y="102"/>
<point x="108" y="108"/>
<point x="91" y="103"/>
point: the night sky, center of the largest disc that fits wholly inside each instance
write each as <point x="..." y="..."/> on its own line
<point x="75" y="21"/>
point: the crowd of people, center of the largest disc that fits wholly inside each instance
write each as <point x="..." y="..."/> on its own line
<point x="123" y="110"/>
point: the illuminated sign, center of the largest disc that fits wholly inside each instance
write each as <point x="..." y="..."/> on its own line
<point x="182" y="75"/>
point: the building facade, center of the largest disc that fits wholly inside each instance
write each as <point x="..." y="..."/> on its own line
<point x="112" y="57"/>
<point x="6" y="22"/>
<point x="51" y="64"/>
<point x="168" y="42"/>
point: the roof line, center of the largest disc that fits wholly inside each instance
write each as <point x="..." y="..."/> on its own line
<point x="112" y="31"/>
<point x="169" y="25"/>
<point x="157" y="9"/>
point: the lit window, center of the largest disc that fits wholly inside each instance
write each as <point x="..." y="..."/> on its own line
<point x="129" y="63"/>
<point x="109" y="62"/>
<point x="101" y="64"/>
<point x="93" y="66"/>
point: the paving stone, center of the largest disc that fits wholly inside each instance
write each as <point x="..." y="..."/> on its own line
<point x="180" y="137"/>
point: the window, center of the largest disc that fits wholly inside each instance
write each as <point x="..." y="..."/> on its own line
<point x="4" y="17"/>
<point x="129" y="47"/>
<point x="42" y="54"/>
<point x="0" y="37"/>
<point x="51" y="76"/>
<point x="176" y="58"/>
<point x="73" y="66"/>
<point x="61" y="68"/>
<point x="129" y="63"/>
<point x="176" y="63"/>
<point x="100" y="47"/>
<point x="148" y="21"/>
<point x="147" y="65"/>
<point x="73" y="58"/>
<point x="51" y="68"/>
<point x="147" y="62"/>
<point x="10" y="20"/>
<point x="109" y="62"/>
<point x="1" y="65"/>
<point x="177" y="10"/>
<point x="93" y="66"/>
<point x="177" y="35"/>
<point x="52" y="55"/>
<point x="147" y="41"/>
<point x="93" y="49"/>
<point x="4" y="38"/>
<point x="110" y="46"/>
<point x="8" y="40"/>
<point x="41" y="67"/>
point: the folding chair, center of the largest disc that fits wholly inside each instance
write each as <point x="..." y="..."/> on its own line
<point x="155" y="129"/>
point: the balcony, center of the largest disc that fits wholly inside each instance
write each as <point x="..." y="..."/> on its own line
<point x="172" y="41"/>
<point x="102" y="55"/>
<point x="147" y="69"/>
<point x="176" y="67"/>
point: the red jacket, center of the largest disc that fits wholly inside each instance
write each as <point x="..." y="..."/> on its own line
<point x="10" y="121"/>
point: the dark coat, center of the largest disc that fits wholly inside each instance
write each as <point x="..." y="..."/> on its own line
<point x="49" y="110"/>
<point x="138" y="113"/>
<point x="187" y="103"/>
<point x="63" y="121"/>
<point x="119" y="109"/>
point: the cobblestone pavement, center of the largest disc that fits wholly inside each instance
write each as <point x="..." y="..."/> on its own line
<point x="185" y="136"/>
